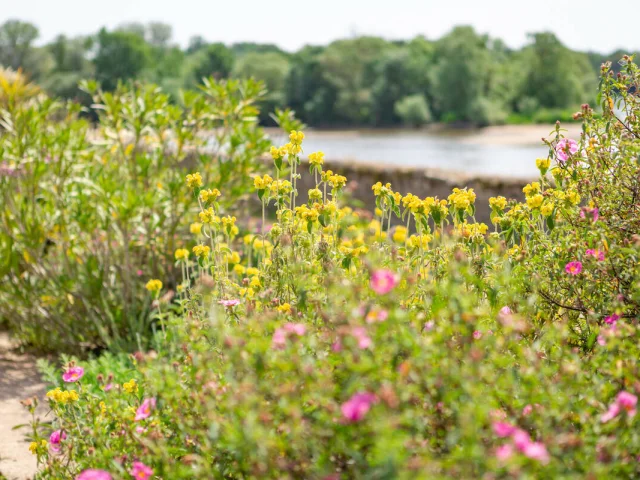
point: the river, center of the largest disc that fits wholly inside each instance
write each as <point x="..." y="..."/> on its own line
<point x="508" y="151"/>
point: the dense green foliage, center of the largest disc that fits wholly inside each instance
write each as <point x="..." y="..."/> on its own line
<point x="82" y="206"/>
<point x="464" y="76"/>
<point x="331" y="346"/>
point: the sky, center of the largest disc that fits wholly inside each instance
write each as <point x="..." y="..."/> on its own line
<point x="580" y="24"/>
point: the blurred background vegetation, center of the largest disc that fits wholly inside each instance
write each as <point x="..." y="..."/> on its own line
<point x="463" y="78"/>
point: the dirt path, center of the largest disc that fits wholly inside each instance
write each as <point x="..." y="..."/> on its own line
<point x="19" y="379"/>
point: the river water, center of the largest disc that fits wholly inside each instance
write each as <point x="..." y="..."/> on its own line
<point x="497" y="152"/>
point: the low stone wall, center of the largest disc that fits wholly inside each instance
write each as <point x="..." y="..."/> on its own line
<point x="423" y="182"/>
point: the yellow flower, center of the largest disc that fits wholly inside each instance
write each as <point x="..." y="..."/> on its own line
<point x="194" y="180"/>
<point x="103" y="408"/>
<point x="415" y="241"/>
<point x="535" y="201"/>
<point x="316" y="158"/>
<point x="195" y="228"/>
<point x="34" y="447"/>
<point x="296" y="137"/>
<point x="201" y="251"/>
<point x="573" y="197"/>
<point x="547" y="209"/>
<point x="253" y="271"/>
<point x="293" y="149"/>
<point x="531" y="189"/>
<point x="154" y="285"/>
<point x="182" y="254"/>
<point x="285" y="308"/>
<point x="400" y="235"/>
<point x="315" y="194"/>
<point x="239" y="269"/>
<point x="543" y="165"/>
<point x="255" y="282"/>
<point x="337" y="181"/>
<point x="233" y="257"/>
<point x="247" y="292"/>
<point x="208" y="216"/>
<point x="277" y="153"/>
<point x="498" y="203"/>
<point x="131" y="386"/>
<point x="208" y="196"/>
<point x="462" y="199"/>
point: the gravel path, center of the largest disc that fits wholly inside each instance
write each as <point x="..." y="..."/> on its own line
<point x="19" y="380"/>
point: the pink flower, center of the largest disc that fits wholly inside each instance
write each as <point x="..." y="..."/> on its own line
<point x="593" y="213"/>
<point x="144" y="410"/>
<point x="612" y="319"/>
<point x="140" y="471"/>
<point x="92" y="474"/>
<point x="295" y="328"/>
<point x="627" y="401"/>
<point x="280" y="335"/>
<point x="279" y="339"/>
<point x="337" y="346"/>
<point x="537" y="451"/>
<point x="73" y="374"/>
<point x="573" y="268"/>
<point x="504" y="311"/>
<point x="565" y="148"/>
<point x="503" y="429"/>
<point x="360" y="334"/>
<point x="601" y="341"/>
<point x="527" y="410"/>
<point x="139" y="273"/>
<point x="624" y="401"/>
<point x="108" y="387"/>
<point x="613" y="412"/>
<point x="383" y="281"/>
<point x="229" y="303"/>
<point x="504" y="452"/>
<point x="521" y="439"/>
<point x="477" y="334"/>
<point x="55" y="439"/>
<point x="429" y="325"/>
<point x="357" y="406"/>
<point x="376" y="315"/>
<point x="595" y="253"/>
<point x="140" y="429"/>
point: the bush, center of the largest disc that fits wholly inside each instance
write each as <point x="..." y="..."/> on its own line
<point x="84" y="208"/>
<point x="413" y="110"/>
<point x="487" y="112"/>
<point x="330" y="346"/>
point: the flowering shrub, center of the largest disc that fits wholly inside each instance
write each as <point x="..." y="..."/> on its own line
<point x="88" y="213"/>
<point x="330" y="345"/>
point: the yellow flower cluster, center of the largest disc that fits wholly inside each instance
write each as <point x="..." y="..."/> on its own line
<point x="462" y="198"/>
<point x="195" y="228"/>
<point x="182" y="254"/>
<point x="316" y="158"/>
<point x="209" y="196"/>
<point x="281" y="187"/>
<point x="337" y="181"/>
<point x="261" y="183"/>
<point x="379" y="189"/>
<point x="417" y="241"/>
<point x="531" y="189"/>
<point x="35" y="447"/>
<point x="209" y="217"/>
<point x="278" y="153"/>
<point x="194" y="180"/>
<point x="315" y="194"/>
<point x="535" y="201"/>
<point x="543" y="165"/>
<point x="201" y="251"/>
<point x="154" y="285"/>
<point x="400" y="235"/>
<point x="498" y="203"/>
<point x="284" y="308"/>
<point x="307" y="214"/>
<point x="131" y="386"/>
<point x="63" y="396"/>
<point x="471" y="230"/>
<point x="296" y="137"/>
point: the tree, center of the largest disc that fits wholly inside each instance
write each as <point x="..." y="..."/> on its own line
<point x="271" y="68"/>
<point x="159" y="34"/>
<point x="462" y="72"/>
<point x="213" y="60"/>
<point x="16" y="41"/>
<point x="413" y="110"/>
<point x="556" y="75"/>
<point x="120" y="56"/>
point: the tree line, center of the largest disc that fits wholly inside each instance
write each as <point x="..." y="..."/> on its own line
<point x="463" y="77"/>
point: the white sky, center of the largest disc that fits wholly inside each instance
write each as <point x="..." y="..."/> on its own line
<point x="581" y="24"/>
